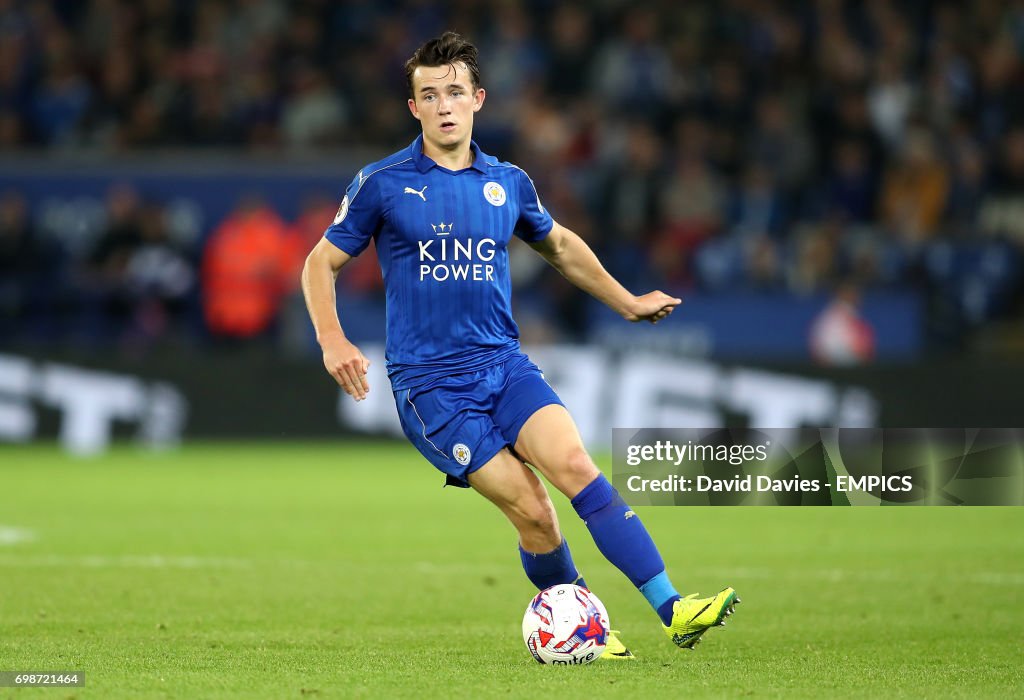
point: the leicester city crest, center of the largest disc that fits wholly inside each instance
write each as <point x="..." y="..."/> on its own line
<point x="494" y="193"/>
<point x="462" y="454"/>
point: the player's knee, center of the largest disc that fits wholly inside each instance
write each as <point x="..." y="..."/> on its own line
<point x="580" y="469"/>
<point x="536" y="517"/>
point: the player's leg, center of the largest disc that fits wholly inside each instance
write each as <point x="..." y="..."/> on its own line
<point x="517" y="492"/>
<point x="550" y="441"/>
<point x="522" y="497"/>
<point x="533" y="419"/>
<point x="449" y="428"/>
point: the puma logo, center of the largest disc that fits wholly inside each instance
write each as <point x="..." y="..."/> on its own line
<point x="419" y="193"/>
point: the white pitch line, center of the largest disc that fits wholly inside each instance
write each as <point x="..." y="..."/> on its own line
<point x="150" y="561"/>
<point x="15" y="535"/>
<point x="995" y="578"/>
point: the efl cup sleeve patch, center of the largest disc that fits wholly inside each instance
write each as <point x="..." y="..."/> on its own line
<point x="342" y="211"/>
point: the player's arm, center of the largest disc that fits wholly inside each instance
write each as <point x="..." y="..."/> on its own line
<point x="572" y="257"/>
<point x="343" y="360"/>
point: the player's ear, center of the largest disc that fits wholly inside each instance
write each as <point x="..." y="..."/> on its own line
<point x="413" y="109"/>
<point x="478" y="99"/>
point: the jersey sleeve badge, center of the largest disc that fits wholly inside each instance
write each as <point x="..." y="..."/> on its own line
<point x="342" y="211"/>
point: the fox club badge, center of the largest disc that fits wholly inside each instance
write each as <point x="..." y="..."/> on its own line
<point x="494" y="193"/>
<point x="462" y="454"/>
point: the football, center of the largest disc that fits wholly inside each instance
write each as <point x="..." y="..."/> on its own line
<point x="565" y="625"/>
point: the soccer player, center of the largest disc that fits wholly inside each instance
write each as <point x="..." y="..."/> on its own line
<point x="441" y="213"/>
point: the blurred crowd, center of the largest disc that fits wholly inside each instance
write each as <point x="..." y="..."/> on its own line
<point x="777" y="147"/>
<point x="140" y="280"/>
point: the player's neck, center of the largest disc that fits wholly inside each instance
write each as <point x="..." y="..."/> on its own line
<point x="457" y="158"/>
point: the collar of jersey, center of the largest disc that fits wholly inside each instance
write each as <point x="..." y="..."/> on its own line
<point x="425" y="163"/>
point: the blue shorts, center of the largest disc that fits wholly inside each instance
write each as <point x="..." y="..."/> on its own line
<point x="461" y="421"/>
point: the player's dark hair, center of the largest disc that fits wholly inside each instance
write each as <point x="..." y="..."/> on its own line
<point x="446" y="50"/>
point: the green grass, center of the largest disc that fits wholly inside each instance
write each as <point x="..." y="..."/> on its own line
<point x="344" y="570"/>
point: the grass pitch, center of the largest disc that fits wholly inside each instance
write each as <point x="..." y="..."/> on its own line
<point x="344" y="570"/>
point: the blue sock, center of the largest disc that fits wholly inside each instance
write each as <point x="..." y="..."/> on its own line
<point x="551" y="568"/>
<point x="657" y="589"/>
<point x="623" y="540"/>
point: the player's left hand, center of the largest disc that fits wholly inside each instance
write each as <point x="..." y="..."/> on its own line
<point x="652" y="307"/>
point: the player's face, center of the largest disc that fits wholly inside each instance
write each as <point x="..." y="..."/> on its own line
<point x="445" y="103"/>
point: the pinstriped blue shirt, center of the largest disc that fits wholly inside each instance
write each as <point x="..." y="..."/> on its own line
<point x="442" y="239"/>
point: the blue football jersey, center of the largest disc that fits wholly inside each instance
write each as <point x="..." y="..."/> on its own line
<point x="442" y="239"/>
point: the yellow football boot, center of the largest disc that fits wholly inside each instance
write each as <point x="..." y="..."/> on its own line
<point x="693" y="616"/>
<point x="615" y="649"/>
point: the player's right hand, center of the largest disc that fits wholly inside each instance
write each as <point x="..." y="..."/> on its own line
<point x="348" y="365"/>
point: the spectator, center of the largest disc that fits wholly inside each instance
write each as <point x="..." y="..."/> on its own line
<point x="315" y="115"/>
<point x="890" y="99"/>
<point x="762" y="264"/>
<point x="915" y="190"/>
<point x="780" y="143"/>
<point x="840" y="335"/>
<point x="514" y="64"/>
<point x="571" y="49"/>
<point x="1002" y="208"/>
<point x="160" y="278"/>
<point x="814" y="267"/>
<point x="64" y="96"/>
<point x="692" y="205"/>
<point x="634" y="68"/>
<point x="756" y="206"/>
<point x="245" y="272"/>
<point x="850" y="189"/>
<point x="106" y="298"/>
<point x="970" y="183"/>
<point x="25" y="269"/>
<point x="15" y="84"/>
<point x="628" y="204"/>
<point x="119" y="86"/>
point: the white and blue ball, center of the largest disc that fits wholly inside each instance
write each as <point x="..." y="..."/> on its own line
<point x="565" y="625"/>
